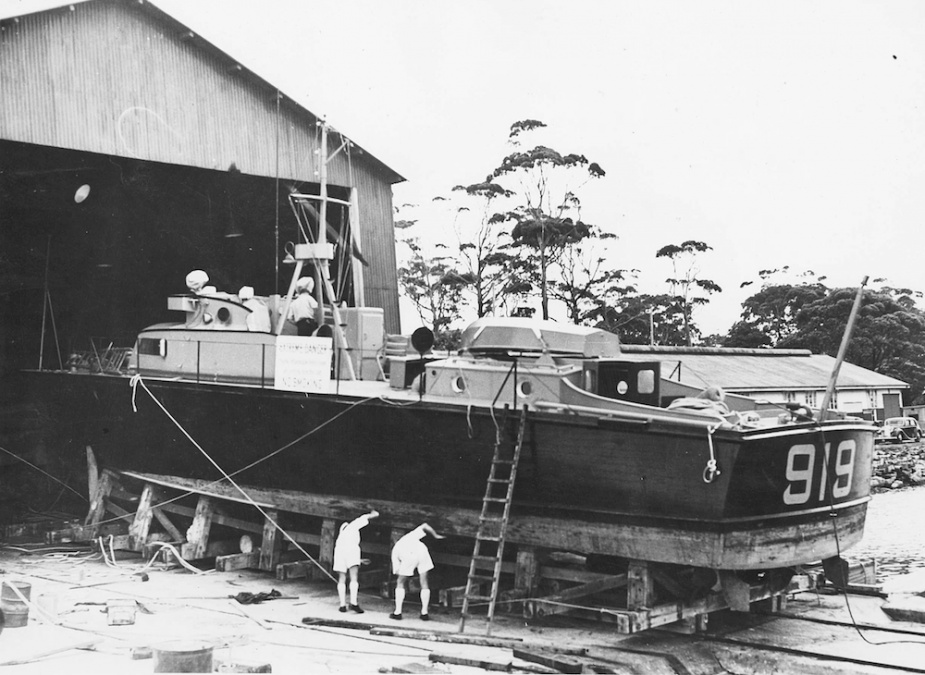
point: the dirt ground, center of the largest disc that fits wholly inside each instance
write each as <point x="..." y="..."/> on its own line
<point x="175" y="604"/>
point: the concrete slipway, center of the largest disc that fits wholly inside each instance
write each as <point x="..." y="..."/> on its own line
<point x="301" y="632"/>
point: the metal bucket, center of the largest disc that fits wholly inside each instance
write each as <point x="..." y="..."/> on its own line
<point x="15" y="611"/>
<point x="183" y="656"/>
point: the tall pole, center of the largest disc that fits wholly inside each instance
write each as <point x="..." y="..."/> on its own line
<point x="846" y="338"/>
<point x="44" y="304"/>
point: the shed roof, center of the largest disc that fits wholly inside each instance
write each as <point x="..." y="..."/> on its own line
<point x="757" y="369"/>
<point x="39" y="6"/>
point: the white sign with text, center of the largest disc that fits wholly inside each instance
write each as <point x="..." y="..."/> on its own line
<point x="303" y="363"/>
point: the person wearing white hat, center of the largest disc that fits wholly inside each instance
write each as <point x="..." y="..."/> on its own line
<point x="196" y="283"/>
<point x="259" y="317"/>
<point x="303" y="308"/>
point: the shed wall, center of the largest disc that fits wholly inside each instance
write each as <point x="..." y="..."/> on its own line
<point x="109" y="78"/>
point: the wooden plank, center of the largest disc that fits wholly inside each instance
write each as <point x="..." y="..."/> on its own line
<point x="98" y="503"/>
<point x="237" y="561"/>
<point x="272" y="542"/>
<point x="442" y="636"/>
<point x="197" y="535"/>
<point x="550" y="659"/>
<point x="138" y="530"/>
<point x="527" y="571"/>
<point x="485" y="664"/>
<point x="326" y="549"/>
<point x="167" y="524"/>
<point x="745" y="543"/>
<point x="640" y="588"/>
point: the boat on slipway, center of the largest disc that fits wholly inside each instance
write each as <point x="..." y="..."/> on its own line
<point x="611" y="459"/>
<point x="608" y="465"/>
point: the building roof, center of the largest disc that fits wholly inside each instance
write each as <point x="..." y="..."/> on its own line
<point x="39" y="6"/>
<point x="752" y="370"/>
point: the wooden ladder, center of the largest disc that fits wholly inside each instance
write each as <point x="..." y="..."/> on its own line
<point x="493" y="520"/>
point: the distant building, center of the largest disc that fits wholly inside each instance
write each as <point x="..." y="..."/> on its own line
<point x="774" y="375"/>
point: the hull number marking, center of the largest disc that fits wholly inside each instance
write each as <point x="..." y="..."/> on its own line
<point x="802" y="473"/>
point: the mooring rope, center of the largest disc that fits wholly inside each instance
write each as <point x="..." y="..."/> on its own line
<point x="711" y="470"/>
<point x="135" y="381"/>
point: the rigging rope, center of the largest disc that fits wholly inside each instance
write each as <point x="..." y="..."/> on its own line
<point x="135" y="381"/>
<point x="711" y="470"/>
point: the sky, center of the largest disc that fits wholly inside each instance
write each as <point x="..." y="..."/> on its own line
<point x="779" y="133"/>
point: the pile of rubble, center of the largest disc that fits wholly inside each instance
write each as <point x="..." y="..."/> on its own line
<point x="898" y="466"/>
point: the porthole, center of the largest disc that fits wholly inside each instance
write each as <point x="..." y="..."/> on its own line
<point x="224" y="314"/>
<point x="459" y="384"/>
<point x="524" y="388"/>
<point x="622" y="387"/>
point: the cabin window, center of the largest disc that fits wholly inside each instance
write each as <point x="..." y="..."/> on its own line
<point x="152" y="346"/>
<point x="645" y="382"/>
<point x="622" y="387"/>
<point x="459" y="384"/>
<point x="224" y="314"/>
<point x="525" y="388"/>
<point x="810" y="398"/>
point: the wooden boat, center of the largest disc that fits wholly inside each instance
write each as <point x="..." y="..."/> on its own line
<point x="604" y="467"/>
<point x="615" y="460"/>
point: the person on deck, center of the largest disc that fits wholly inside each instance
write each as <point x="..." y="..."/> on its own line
<point x="259" y="317"/>
<point x="303" y="308"/>
<point x="347" y="559"/>
<point x="410" y="554"/>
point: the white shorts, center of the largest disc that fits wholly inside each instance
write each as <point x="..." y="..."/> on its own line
<point x="409" y="556"/>
<point x="346" y="557"/>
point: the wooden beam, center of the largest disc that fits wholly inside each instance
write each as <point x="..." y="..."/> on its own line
<point x="640" y="588"/>
<point x="272" y="542"/>
<point x="326" y="549"/>
<point x="526" y="574"/>
<point x="138" y="530"/>
<point x="197" y="536"/>
<point x="237" y="561"/>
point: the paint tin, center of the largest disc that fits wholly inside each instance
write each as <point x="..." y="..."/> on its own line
<point x="15" y="611"/>
<point x="183" y="656"/>
<point x="120" y="612"/>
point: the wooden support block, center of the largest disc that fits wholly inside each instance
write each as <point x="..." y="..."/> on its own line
<point x="416" y="668"/>
<point x="98" y="503"/>
<point x="526" y="574"/>
<point x="138" y="530"/>
<point x="453" y="596"/>
<point x="484" y="664"/>
<point x="272" y="542"/>
<point x="237" y="561"/>
<point x="550" y="659"/>
<point x="292" y="570"/>
<point x="640" y="588"/>
<point x="197" y="536"/>
<point x="326" y="548"/>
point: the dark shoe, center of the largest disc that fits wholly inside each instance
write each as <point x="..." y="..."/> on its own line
<point x="425" y="617"/>
<point x="343" y="608"/>
<point x="395" y="616"/>
<point x="357" y="609"/>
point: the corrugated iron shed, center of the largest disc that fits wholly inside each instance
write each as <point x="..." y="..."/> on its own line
<point x="755" y="370"/>
<point x="113" y="79"/>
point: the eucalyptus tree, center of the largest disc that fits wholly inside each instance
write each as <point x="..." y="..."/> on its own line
<point x="546" y="221"/>
<point x="686" y="287"/>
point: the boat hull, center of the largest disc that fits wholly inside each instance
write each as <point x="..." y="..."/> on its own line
<point x="589" y="484"/>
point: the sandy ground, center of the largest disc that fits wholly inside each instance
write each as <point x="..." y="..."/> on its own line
<point x="177" y="604"/>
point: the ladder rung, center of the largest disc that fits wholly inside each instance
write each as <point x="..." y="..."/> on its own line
<point x="487" y="537"/>
<point x="479" y="598"/>
<point x="501" y="500"/>
<point x="490" y="519"/>
<point x="503" y="461"/>
<point x="485" y="558"/>
<point x="499" y="480"/>
<point x="481" y="578"/>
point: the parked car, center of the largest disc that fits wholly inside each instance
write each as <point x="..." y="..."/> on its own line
<point x="899" y="429"/>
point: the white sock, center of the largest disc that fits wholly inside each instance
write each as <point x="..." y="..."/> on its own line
<point x="342" y="592"/>
<point x="354" y="590"/>
<point x="425" y="600"/>
<point x="399" y="598"/>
